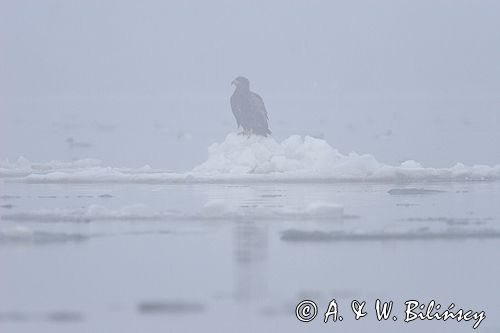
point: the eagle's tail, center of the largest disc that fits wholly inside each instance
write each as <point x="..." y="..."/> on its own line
<point x="261" y="131"/>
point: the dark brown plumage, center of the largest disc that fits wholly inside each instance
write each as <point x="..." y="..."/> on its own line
<point x="249" y="109"/>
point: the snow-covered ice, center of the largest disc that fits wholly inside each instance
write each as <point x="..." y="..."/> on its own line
<point x="246" y="159"/>
<point x="211" y="210"/>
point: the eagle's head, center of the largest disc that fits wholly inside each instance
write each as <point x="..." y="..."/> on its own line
<point x="241" y="83"/>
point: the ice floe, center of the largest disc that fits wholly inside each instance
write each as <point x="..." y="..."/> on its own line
<point x="413" y="191"/>
<point x="252" y="159"/>
<point x="23" y="167"/>
<point x="418" y="235"/>
<point x="212" y="210"/>
<point x="23" y="235"/>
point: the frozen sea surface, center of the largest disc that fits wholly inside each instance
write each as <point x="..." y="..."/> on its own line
<point x="240" y="257"/>
<point x="237" y="242"/>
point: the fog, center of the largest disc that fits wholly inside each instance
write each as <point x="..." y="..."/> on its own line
<point x="149" y="82"/>
<point x="131" y="202"/>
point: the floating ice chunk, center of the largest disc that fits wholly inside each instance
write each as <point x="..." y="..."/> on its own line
<point x="215" y="207"/>
<point x="212" y="210"/>
<point x="382" y="236"/>
<point x="252" y="159"/>
<point x="327" y="209"/>
<point x="264" y="155"/>
<point x="23" y="166"/>
<point x="126" y="211"/>
<point x="172" y="307"/>
<point x="21" y="234"/>
<point x="88" y="214"/>
<point x="17" y="232"/>
<point x="412" y="191"/>
<point x="307" y="158"/>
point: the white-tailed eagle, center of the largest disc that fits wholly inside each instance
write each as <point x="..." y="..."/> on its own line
<point x="248" y="109"/>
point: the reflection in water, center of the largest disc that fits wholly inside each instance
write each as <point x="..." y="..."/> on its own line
<point x="383" y="247"/>
<point x="251" y="245"/>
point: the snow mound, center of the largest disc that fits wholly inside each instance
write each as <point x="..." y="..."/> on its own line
<point x="240" y="155"/>
<point x="252" y="159"/>
<point x="310" y="158"/>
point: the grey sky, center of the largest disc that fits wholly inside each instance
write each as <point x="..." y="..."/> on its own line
<point x="397" y="79"/>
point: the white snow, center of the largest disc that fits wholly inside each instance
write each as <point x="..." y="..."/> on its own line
<point x="245" y="159"/>
<point x="310" y="158"/>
